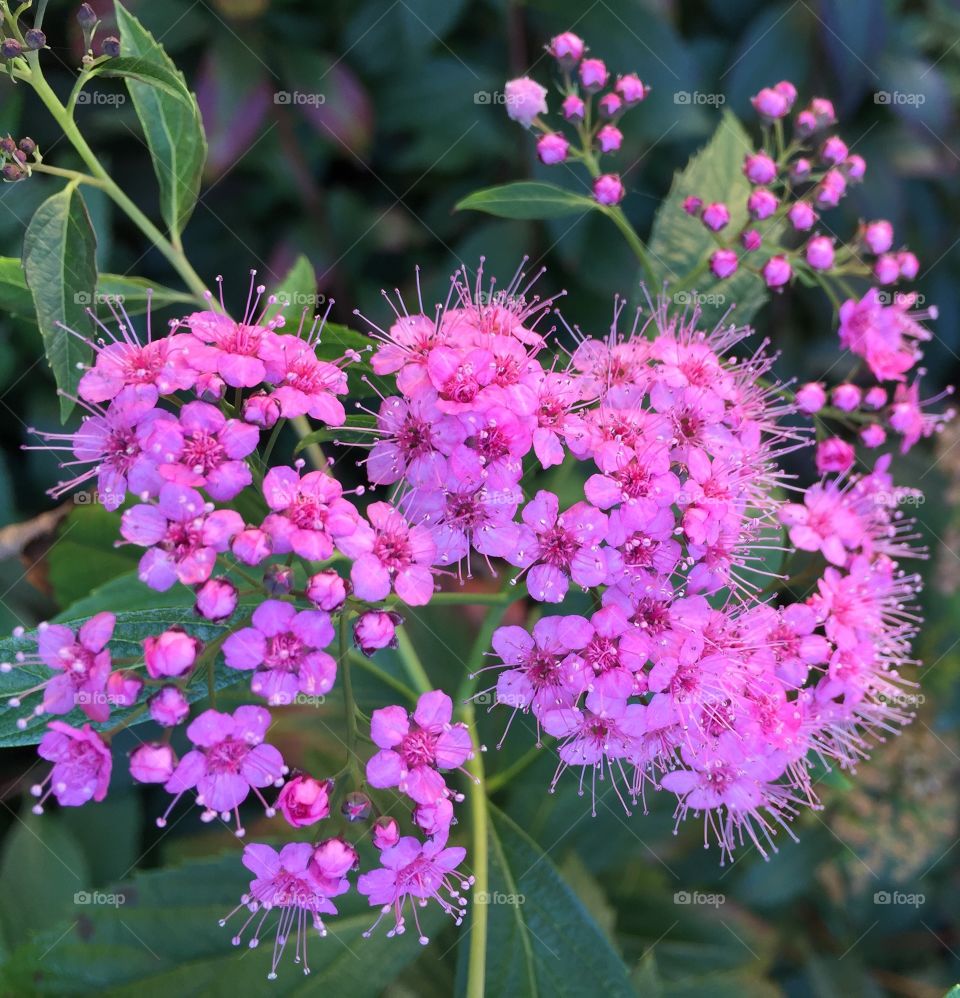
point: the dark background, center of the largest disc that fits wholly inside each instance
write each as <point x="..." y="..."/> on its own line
<point x="365" y="184"/>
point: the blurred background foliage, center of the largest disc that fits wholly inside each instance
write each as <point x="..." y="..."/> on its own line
<point x="363" y="184"/>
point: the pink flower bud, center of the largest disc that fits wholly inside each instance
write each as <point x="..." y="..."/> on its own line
<point x="123" y="688"/>
<point x="525" y="99"/>
<point x="436" y="818"/>
<point x="609" y="137"/>
<point x="374" y="630"/>
<point x="552" y="148"/>
<point x="762" y="203"/>
<point x="759" y="168"/>
<point x="327" y="590"/>
<point x="846" y="397"/>
<point x="876" y="397"/>
<point x="909" y="265"/>
<point x="608" y="189"/>
<point x="692" y="205"/>
<point x="770" y="104"/>
<point x="834" y="455"/>
<point x="723" y="263"/>
<point x="386" y="832"/>
<point x="822" y="109"/>
<point x="811" y="397"/>
<point x="333" y="859"/>
<point x="573" y="108"/>
<point x="801" y="168"/>
<point x="751" y="240"/>
<point x="171" y="653"/>
<point x="305" y="801"/>
<point x="886" y="269"/>
<point x="777" y="271"/>
<point x="873" y="435"/>
<point x="802" y="216"/>
<point x="216" y="599"/>
<point x="831" y="189"/>
<point x="820" y="253"/>
<point x="787" y="91"/>
<point x="210" y="386"/>
<point x="169" y="707"/>
<point x="610" y="105"/>
<point x="278" y="580"/>
<point x="262" y="410"/>
<point x="593" y="74"/>
<point x="152" y="762"/>
<point x="806" y="123"/>
<point x="567" y="48"/>
<point x="252" y="546"/>
<point x="834" y="151"/>
<point x="855" y="167"/>
<point x="716" y="215"/>
<point x="356" y="806"/>
<point x="878" y="236"/>
<point x="631" y="88"/>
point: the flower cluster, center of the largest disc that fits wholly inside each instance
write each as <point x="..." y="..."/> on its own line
<point x="593" y="104"/>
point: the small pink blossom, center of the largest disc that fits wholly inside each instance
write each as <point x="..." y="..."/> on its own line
<point x="81" y="766"/>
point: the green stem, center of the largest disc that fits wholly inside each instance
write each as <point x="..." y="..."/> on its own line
<point x="362" y="662"/>
<point x="349" y="704"/>
<point x="411" y="662"/>
<point x="467" y="599"/>
<point x="616" y="215"/>
<point x="479" y="822"/>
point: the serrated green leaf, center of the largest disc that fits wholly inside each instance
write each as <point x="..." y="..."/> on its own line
<point x="680" y="245"/>
<point x="540" y="939"/>
<point x="526" y="199"/>
<point x="59" y="264"/>
<point x="165" y="938"/>
<point x="171" y="125"/>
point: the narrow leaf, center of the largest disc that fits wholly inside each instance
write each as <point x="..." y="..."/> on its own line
<point x="526" y="199"/>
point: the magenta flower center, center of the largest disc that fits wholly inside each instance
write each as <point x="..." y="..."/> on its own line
<point x="419" y="748"/>
<point x="226" y="756"/>
<point x="308" y="512"/>
<point x="392" y="549"/>
<point x="240" y="339"/>
<point x="639" y="550"/>
<point x="203" y="452"/>
<point x="283" y="652"/>
<point x="602" y="654"/>
<point x="558" y="546"/>
<point x="462" y="386"/>
<point x="182" y="539"/>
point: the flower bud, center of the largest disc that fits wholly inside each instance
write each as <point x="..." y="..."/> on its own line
<point x="305" y="801"/>
<point x="27" y="146"/>
<point x="608" y="189"/>
<point x="35" y="39"/>
<point x="751" y="240"/>
<point x="692" y="205"/>
<point x="831" y="189"/>
<point x="873" y="435"/>
<point x="153" y="762"/>
<point x="123" y="688"/>
<point x="610" y="105"/>
<point x="552" y="148"/>
<point x="802" y="216"/>
<point x="216" y="599"/>
<point x="525" y="99"/>
<point x="573" y="108"/>
<point x="593" y="74"/>
<point x="777" y="272"/>
<point x="169" y="707"/>
<point x="723" y="263"/>
<point x="855" y="167"/>
<point x="878" y="236"/>
<point x="86" y="16"/>
<point x="886" y="269"/>
<point x="252" y="546"/>
<point x="7" y="146"/>
<point x="327" y="590"/>
<point x="819" y="253"/>
<point x="770" y="103"/>
<point x="333" y="859"/>
<point x="374" y="630"/>
<point x="567" y="48"/>
<point x="909" y="265"/>
<point x="171" y="653"/>
<point x="262" y="410"/>
<point x="846" y="397"/>
<point x="10" y="48"/>
<point x="759" y="168"/>
<point x="631" y="88"/>
<point x="762" y="203"/>
<point x="834" y="455"/>
<point x="811" y="397"/>
<point x="875" y="398"/>
<point x="111" y="47"/>
<point x="13" y="172"/>
<point x="800" y="169"/>
<point x="386" y="832"/>
<point x="609" y="138"/>
<point x="716" y="216"/>
<point x="356" y="806"/>
<point x="278" y="580"/>
<point x="834" y="151"/>
<point x="436" y="818"/>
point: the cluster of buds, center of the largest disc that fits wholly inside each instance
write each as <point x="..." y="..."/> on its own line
<point x="792" y="183"/>
<point x="15" y="157"/>
<point x="591" y="108"/>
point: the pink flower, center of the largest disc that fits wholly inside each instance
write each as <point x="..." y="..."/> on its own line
<point x="304" y="801"/>
<point x="608" y="189"/>
<point x="777" y="272"/>
<point x="834" y="454"/>
<point x="419" y="871"/>
<point x="327" y="590"/>
<point x="393" y="555"/>
<point x="525" y="99"/>
<point x="552" y="148"/>
<point x="609" y="138"/>
<point x="557" y="547"/>
<point x="824" y="522"/>
<point x="386" y="832"/>
<point x="413" y="750"/>
<point x="81" y="766"/>
<point x="886" y="336"/>
<point x="168" y="707"/>
<point x="878" y="236"/>
<point x="284" y="650"/>
<point x="567" y="48"/>
<point x="819" y="253"/>
<point x="228" y="761"/>
<point x="216" y="599"/>
<point x="802" y="216"/>
<point x="152" y="762"/>
<point x="811" y="397"/>
<point x="374" y="630"/>
<point x="762" y="203"/>
<point x="759" y="168"/>
<point x="573" y="108"/>
<point x="171" y="653"/>
<point x="724" y="263"/>
<point x="631" y="88"/>
<point x="184" y="536"/>
<point x="716" y="216"/>
<point x="593" y="74"/>
<point x="285" y="880"/>
<point x="309" y="513"/>
<point x="306" y="386"/>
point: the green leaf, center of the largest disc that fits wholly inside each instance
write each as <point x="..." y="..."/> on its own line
<point x="172" y="125"/>
<point x="296" y="295"/>
<point x="147" y="71"/>
<point x="526" y="199"/>
<point x="59" y="263"/>
<point x="679" y="244"/>
<point x="131" y="292"/>
<point x="164" y="938"/>
<point x="541" y="940"/>
<point x="131" y="628"/>
<point x="355" y="429"/>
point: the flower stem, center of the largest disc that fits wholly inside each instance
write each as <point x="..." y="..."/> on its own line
<point x="349" y="704"/>
<point x="479" y="822"/>
<point x="411" y="662"/>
